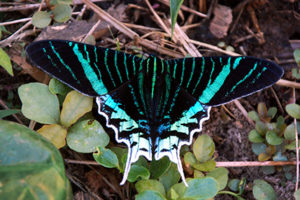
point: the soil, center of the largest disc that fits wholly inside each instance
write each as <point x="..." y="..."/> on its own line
<point x="279" y="21"/>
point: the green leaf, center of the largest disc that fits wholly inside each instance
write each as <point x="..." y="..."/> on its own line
<point x="74" y="107"/>
<point x="30" y="167"/>
<point x="289" y="133"/>
<point x="255" y="137"/>
<point x="279" y="157"/>
<point x="41" y="19"/>
<point x="174" y="9"/>
<point x="208" y="185"/>
<point x="273" y="139"/>
<point x="5" y="62"/>
<point x="176" y="191"/>
<point x="149" y="195"/>
<point x="290" y="146"/>
<point x="297" y="56"/>
<point x="153" y="185"/>
<point x="205" y="166"/>
<point x="233" y="185"/>
<point x="62" y="12"/>
<point x="272" y="112"/>
<point x="106" y="158"/>
<point x="268" y="170"/>
<point x="86" y="136"/>
<point x="159" y="167"/>
<point x="261" y="128"/>
<point x="189" y="158"/>
<point x="293" y="110"/>
<point x="68" y="2"/>
<point x="136" y="172"/>
<point x="171" y="177"/>
<point x="5" y="113"/>
<point x="55" y="134"/>
<point x="297" y="195"/>
<point x="220" y="174"/>
<point x="57" y="87"/>
<point x="120" y="152"/>
<point x="263" y="191"/>
<point x="258" y="148"/>
<point x="253" y="115"/>
<point x="38" y="103"/>
<point x="203" y="148"/>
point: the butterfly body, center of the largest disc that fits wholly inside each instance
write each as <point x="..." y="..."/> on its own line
<point x="154" y="106"/>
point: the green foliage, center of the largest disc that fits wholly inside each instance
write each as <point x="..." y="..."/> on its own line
<point x="31" y="167"/>
<point x="61" y="12"/>
<point x="5" y="62"/>
<point x="174" y="9"/>
<point x="203" y="148"/>
<point x="297" y="195"/>
<point x="5" y="113"/>
<point x="296" y="71"/>
<point x="106" y="158"/>
<point x="38" y="103"/>
<point x="263" y="191"/>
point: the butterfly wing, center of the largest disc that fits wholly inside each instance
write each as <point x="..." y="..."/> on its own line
<point x="91" y="70"/>
<point x="218" y="80"/>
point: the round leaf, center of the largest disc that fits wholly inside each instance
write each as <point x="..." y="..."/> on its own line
<point x="297" y="56"/>
<point x="262" y="110"/>
<point x="31" y="167"/>
<point x="136" y="172"/>
<point x="255" y="137"/>
<point x="171" y="177"/>
<point x="264" y="157"/>
<point x="203" y="148"/>
<point x="279" y="157"/>
<point x="55" y="134"/>
<point x="293" y="110"/>
<point x="159" y="167"/>
<point x="62" y="12"/>
<point x="38" y="103"/>
<point x="154" y="185"/>
<point x="208" y="185"/>
<point x="221" y="176"/>
<point x="233" y="185"/>
<point x="253" y="115"/>
<point x="5" y="62"/>
<point x="268" y="170"/>
<point x="205" y="166"/>
<point x="273" y="139"/>
<point x="263" y="191"/>
<point x="41" y="19"/>
<point x="149" y="195"/>
<point x="272" y="112"/>
<point x="189" y="158"/>
<point x="65" y="1"/>
<point x="297" y="193"/>
<point x="106" y="158"/>
<point x="57" y="87"/>
<point x="258" y="148"/>
<point x="74" y="107"/>
<point x="86" y="136"/>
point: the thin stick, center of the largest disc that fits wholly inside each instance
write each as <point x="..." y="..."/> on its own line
<point x="218" y="164"/>
<point x="244" y="112"/>
<point x="287" y="83"/>
<point x="159" y="20"/>
<point x="10" y="38"/>
<point x="92" y="30"/>
<point x="15" y="21"/>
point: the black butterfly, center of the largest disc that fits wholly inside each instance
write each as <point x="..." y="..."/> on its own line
<point x="154" y="106"/>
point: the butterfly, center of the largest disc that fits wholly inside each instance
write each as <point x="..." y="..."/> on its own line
<point x="154" y="106"/>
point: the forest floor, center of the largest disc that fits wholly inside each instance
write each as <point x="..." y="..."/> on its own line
<point x="264" y="29"/>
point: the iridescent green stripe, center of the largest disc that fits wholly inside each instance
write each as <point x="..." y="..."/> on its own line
<point x="116" y="66"/>
<point x="125" y="65"/>
<point x="212" y="89"/>
<point x="175" y="67"/>
<point x="153" y="78"/>
<point x="182" y="72"/>
<point x="162" y="65"/>
<point x="133" y="64"/>
<point x="199" y="79"/>
<point x="192" y="73"/>
<point x="107" y="68"/>
<point x="135" y="99"/>
<point x="62" y="62"/>
<point x="97" y="84"/>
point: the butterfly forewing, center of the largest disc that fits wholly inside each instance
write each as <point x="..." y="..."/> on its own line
<point x="89" y="69"/>
<point x="218" y="80"/>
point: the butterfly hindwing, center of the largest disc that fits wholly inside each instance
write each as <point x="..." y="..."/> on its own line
<point x="218" y="80"/>
<point x="89" y="69"/>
